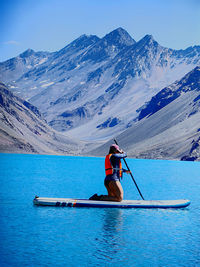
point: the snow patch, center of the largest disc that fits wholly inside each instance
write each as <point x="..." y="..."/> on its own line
<point x="47" y="84"/>
<point x="44" y="81"/>
<point x="42" y="61"/>
<point x="77" y="67"/>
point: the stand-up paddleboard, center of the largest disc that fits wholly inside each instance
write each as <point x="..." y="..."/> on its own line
<point x="70" y="202"/>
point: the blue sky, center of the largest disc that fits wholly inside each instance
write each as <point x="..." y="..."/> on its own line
<point x="49" y="25"/>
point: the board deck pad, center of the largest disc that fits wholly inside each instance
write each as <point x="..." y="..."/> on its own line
<point x="71" y="202"/>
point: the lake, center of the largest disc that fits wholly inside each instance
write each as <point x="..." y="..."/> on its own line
<point x="63" y="236"/>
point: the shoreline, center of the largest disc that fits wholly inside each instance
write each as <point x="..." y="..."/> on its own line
<point x="90" y="156"/>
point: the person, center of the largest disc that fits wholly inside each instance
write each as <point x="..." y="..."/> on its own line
<point x="114" y="171"/>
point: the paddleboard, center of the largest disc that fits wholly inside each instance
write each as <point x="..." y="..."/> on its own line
<point x="71" y="202"/>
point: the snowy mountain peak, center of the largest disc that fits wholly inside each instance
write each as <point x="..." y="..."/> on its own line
<point x="147" y="40"/>
<point x="80" y="43"/>
<point x="148" y="37"/>
<point x="109" y="46"/>
<point x="84" y="38"/>
<point x="119" y="37"/>
<point x="29" y="52"/>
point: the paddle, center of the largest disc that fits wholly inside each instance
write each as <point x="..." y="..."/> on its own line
<point x="131" y="174"/>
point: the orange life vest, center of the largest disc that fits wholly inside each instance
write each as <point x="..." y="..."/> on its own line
<point x="109" y="168"/>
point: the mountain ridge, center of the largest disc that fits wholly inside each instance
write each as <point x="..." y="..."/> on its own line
<point x="170" y="131"/>
<point x="168" y="94"/>
<point x="89" y="84"/>
<point x="23" y="129"/>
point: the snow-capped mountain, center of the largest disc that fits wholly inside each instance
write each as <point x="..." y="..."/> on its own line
<point x="94" y="88"/>
<point x="168" y="125"/>
<point x="12" y="69"/>
<point x="189" y="83"/>
<point x="23" y="129"/>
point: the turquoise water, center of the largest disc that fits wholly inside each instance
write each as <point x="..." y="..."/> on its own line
<point x="52" y="236"/>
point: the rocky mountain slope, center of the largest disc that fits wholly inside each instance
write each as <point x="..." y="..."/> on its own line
<point x="12" y="69"/>
<point x="24" y="130"/>
<point x="168" y="126"/>
<point x="94" y="87"/>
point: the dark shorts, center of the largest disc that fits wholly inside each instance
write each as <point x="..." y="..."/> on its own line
<point x="110" y="178"/>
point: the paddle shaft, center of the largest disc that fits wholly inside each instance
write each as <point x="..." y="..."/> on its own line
<point x="131" y="174"/>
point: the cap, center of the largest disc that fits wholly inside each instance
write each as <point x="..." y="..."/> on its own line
<point x="117" y="148"/>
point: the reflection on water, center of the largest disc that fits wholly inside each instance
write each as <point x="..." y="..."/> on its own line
<point x="143" y="237"/>
<point x="110" y="242"/>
